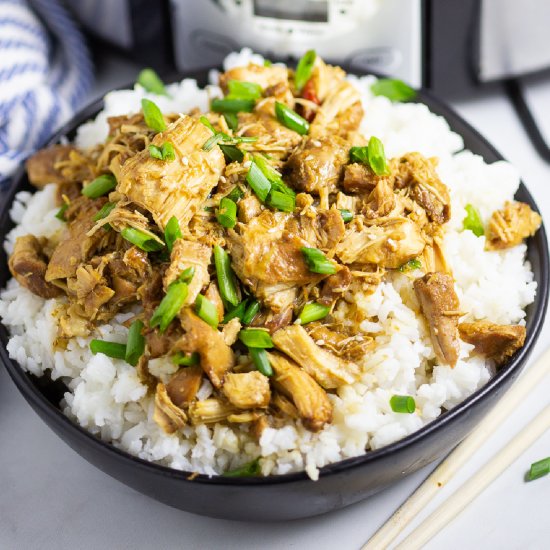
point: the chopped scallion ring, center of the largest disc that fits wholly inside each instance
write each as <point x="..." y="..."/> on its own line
<point x="304" y="68"/>
<point x="411" y="265"/>
<point x="172" y="232"/>
<point x="313" y="312"/>
<point x="170" y="306"/>
<point x="291" y="119"/>
<point x="100" y="186"/>
<point x="239" y="89"/>
<point x="472" y="221"/>
<point x="250" y="312"/>
<point x="141" y="239"/>
<point x="226" y="279"/>
<point x="251" y="469"/>
<point x="255" y="338"/>
<point x="232" y="105"/>
<point x="238" y="311"/>
<point x="183" y="360"/>
<point x="136" y="343"/>
<point x="227" y="213"/>
<point x="232" y="153"/>
<point x="393" y="89"/>
<point x="60" y="214"/>
<point x="258" y="181"/>
<point x="539" y="469"/>
<point x="165" y="152"/>
<point x="207" y="311"/>
<point x="207" y="123"/>
<point x="111" y="349"/>
<point x="347" y="216"/>
<point x="402" y="404"/>
<point x="211" y="141"/>
<point x="235" y="194"/>
<point x="317" y="262"/>
<point x="153" y="115"/>
<point x="151" y="81"/>
<point x="105" y="210"/>
<point x="261" y="361"/>
<point x="186" y="276"/>
<point x="232" y="120"/>
<point x="281" y="201"/>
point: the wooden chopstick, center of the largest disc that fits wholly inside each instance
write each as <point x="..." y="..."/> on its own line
<point x="448" y="468"/>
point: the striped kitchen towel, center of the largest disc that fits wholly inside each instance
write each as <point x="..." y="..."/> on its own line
<point x="45" y="74"/>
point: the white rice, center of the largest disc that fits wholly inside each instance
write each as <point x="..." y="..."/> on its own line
<point x="107" y="398"/>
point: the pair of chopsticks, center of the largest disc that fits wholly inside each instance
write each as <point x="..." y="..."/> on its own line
<point x="479" y="481"/>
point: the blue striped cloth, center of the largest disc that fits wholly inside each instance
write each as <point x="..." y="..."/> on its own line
<point x="45" y="74"/>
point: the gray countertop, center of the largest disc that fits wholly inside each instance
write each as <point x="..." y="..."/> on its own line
<point x="52" y="498"/>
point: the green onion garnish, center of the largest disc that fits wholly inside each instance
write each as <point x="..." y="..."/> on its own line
<point x="232" y="120"/>
<point x="186" y="275"/>
<point x="359" y="154"/>
<point x="172" y="232"/>
<point x="111" y="349"/>
<point x="170" y="305"/>
<point x="291" y="119"/>
<point x="313" y="312"/>
<point x="238" y="311"/>
<point x="179" y="358"/>
<point x="411" y="265"/>
<point x="207" y="311"/>
<point x="141" y="239"/>
<point x="232" y="105"/>
<point x="255" y="338"/>
<point x="165" y="152"/>
<point x="150" y="80"/>
<point x="104" y="211"/>
<point x="251" y="469"/>
<point x="250" y="312"/>
<point x="239" y="89"/>
<point x="232" y="153"/>
<point x="227" y="213"/>
<point x="281" y="201"/>
<point x="317" y="262"/>
<point x="402" y="404"/>
<point x="60" y="215"/>
<point x="207" y="123"/>
<point x="100" y="186"/>
<point x="472" y="221"/>
<point x="258" y="181"/>
<point x="226" y="278"/>
<point x="377" y="157"/>
<point x="539" y="469"/>
<point x="304" y="68"/>
<point x="211" y="141"/>
<point x="393" y="89"/>
<point x="347" y="216"/>
<point x="261" y="360"/>
<point x="153" y="116"/>
<point x="267" y="63"/>
<point x="136" y="343"/>
<point x="235" y="194"/>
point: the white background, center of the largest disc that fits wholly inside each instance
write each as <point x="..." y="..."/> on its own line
<point x="52" y="498"/>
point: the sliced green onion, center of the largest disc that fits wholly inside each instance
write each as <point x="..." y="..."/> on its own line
<point x="255" y="338"/>
<point x="402" y="404"/>
<point x="105" y="210"/>
<point x="232" y="105"/>
<point x="235" y="194"/>
<point x="232" y="120"/>
<point x="251" y="469"/>
<point x="267" y="63"/>
<point x="136" y="343"/>
<point x="238" y="311"/>
<point x="472" y="221"/>
<point x="232" y="153"/>
<point x="170" y="306"/>
<point x="100" y="186"/>
<point x="258" y="181"/>
<point x="150" y="80"/>
<point x="227" y="213"/>
<point x="207" y="123"/>
<point x="274" y="177"/>
<point x="317" y="262"/>
<point x="377" y="157"/>
<point x="183" y="360"/>
<point x="393" y="89"/>
<point x="172" y="232"/>
<point x="539" y="469"/>
<point x="226" y="278"/>
<point x="347" y="216"/>
<point x="251" y="312"/>
<point x="207" y="311"/>
<point x="291" y="119"/>
<point x="186" y="276"/>
<point x="60" y="214"/>
<point x="211" y="141"/>
<point x="261" y="360"/>
<point x="141" y="239"/>
<point x="111" y="349"/>
<point x="304" y="68"/>
<point x="165" y="152"/>
<point x="239" y="89"/>
<point x="313" y="312"/>
<point x="281" y="201"/>
<point x="153" y="115"/>
<point x="359" y="154"/>
<point x="411" y="265"/>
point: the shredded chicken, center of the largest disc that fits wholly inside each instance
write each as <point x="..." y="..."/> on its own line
<point x="509" y="226"/>
<point x="247" y="390"/>
<point x="169" y="417"/>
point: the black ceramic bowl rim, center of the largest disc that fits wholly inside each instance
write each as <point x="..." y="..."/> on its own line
<point x="41" y="403"/>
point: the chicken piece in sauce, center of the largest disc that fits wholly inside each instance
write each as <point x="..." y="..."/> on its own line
<point x="509" y="226"/>
<point x="440" y="306"/>
<point x="247" y="390"/>
<point x="497" y="342"/>
<point x="178" y="188"/>
<point x="42" y="167"/>
<point x="167" y="415"/>
<point x="183" y="386"/>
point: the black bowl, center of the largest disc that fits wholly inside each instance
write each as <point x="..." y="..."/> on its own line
<point x="289" y="496"/>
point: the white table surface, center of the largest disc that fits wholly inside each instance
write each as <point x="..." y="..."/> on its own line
<point x="51" y="498"/>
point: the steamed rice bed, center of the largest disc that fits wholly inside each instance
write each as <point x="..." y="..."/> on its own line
<point x="107" y="398"/>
